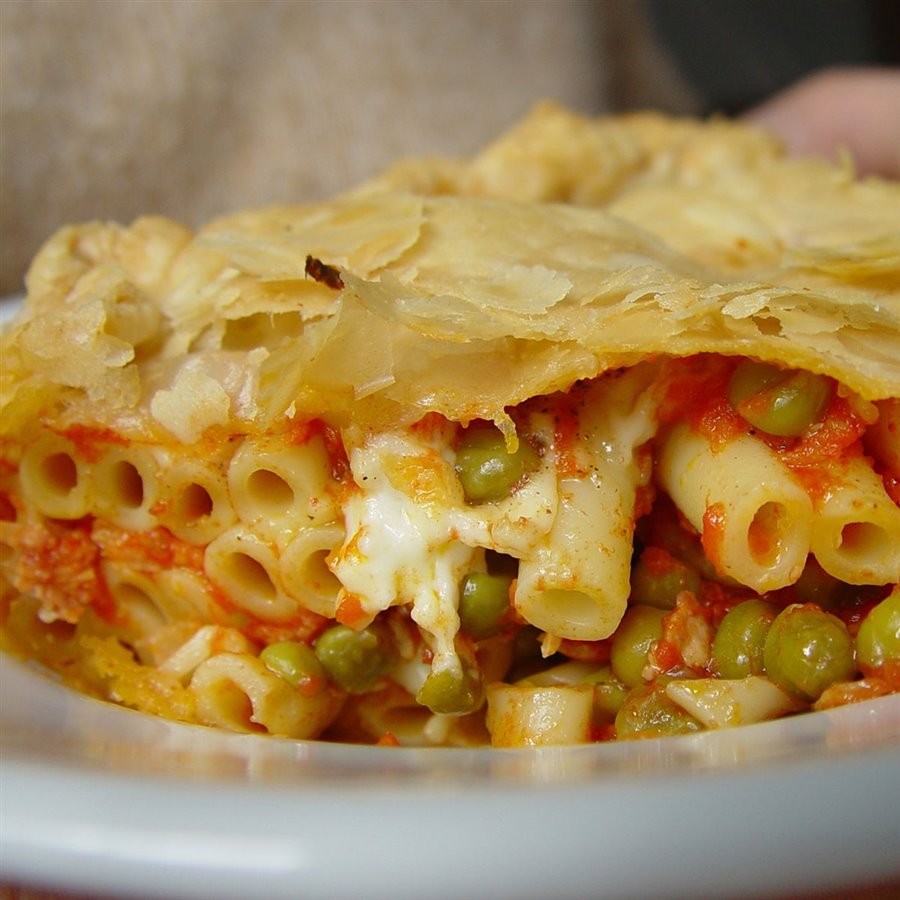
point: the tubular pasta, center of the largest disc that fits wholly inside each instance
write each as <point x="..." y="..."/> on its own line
<point x="125" y="487"/>
<point x="745" y="502"/>
<point x="55" y="479"/>
<point x="236" y="691"/>
<point x="205" y="643"/>
<point x="278" y="488"/>
<point x="194" y="501"/>
<point x="856" y="535"/>
<point x="567" y="673"/>
<point x="192" y="592"/>
<point x="8" y="552"/>
<point x="724" y="703"/>
<point x="152" y="613"/>
<point x="883" y="438"/>
<point x="530" y="716"/>
<point x="140" y="606"/>
<point x="304" y="569"/>
<point x="246" y="568"/>
<point x="387" y="711"/>
<point x="576" y="584"/>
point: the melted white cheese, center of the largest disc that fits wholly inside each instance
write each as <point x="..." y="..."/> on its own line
<point x="400" y="548"/>
<point x="411" y="538"/>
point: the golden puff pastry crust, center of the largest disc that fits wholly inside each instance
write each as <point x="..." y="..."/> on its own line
<point x="568" y="247"/>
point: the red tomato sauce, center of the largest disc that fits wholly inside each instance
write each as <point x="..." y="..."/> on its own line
<point x="713" y="533"/>
<point x="892" y="486"/>
<point x="666" y="655"/>
<point x="301" y="431"/>
<point x="429" y="425"/>
<point x="586" y="651"/>
<point x="89" y="441"/>
<point x="837" y="435"/>
<point x="694" y="390"/>
<point x="59" y="564"/>
<point x="565" y="435"/>
<point x="351" y="613"/>
<point x="659" y="561"/>
<point x="717" y="599"/>
<point x="303" y="627"/>
<point x="8" y="511"/>
<point x="157" y="548"/>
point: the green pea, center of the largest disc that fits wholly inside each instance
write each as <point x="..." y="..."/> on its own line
<point x="878" y="638"/>
<point x="737" y="648"/>
<point x="667" y="532"/>
<point x="450" y="692"/>
<point x="782" y="402"/>
<point x="638" y="631"/>
<point x="483" y="603"/>
<point x="295" y="663"/>
<point x="609" y="694"/>
<point x="648" y="712"/>
<point x="750" y="377"/>
<point x="487" y="471"/>
<point x="807" y="650"/>
<point x="355" y="660"/>
<point x="658" y="578"/>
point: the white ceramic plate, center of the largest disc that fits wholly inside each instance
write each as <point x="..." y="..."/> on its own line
<point x="98" y="798"/>
<point x="8" y="308"/>
<point x="94" y="798"/>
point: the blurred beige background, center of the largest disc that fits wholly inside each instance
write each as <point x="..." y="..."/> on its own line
<point x="191" y="108"/>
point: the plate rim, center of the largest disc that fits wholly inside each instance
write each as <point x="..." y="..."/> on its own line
<point x="555" y="833"/>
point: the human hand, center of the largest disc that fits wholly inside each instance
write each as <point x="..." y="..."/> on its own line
<point x="854" y="109"/>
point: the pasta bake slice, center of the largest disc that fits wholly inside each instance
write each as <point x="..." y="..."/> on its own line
<point x="592" y="436"/>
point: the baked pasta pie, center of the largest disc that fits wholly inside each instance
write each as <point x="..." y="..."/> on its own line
<point x="592" y="436"/>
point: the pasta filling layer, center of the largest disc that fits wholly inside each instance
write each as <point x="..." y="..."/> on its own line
<point x="433" y="585"/>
